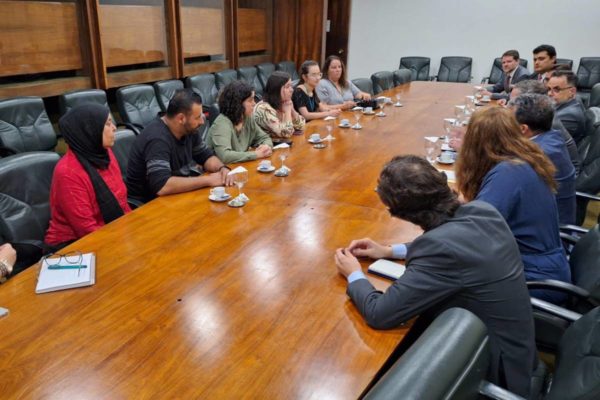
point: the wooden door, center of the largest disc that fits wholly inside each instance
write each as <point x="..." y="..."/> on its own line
<point x="338" y="17"/>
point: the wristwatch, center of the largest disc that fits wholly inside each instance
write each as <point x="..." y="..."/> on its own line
<point x="5" y="270"/>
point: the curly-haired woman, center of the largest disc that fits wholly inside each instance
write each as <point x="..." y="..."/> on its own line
<point x="235" y="136"/>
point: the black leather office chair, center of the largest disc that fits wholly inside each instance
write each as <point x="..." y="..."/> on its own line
<point x="138" y="106"/>
<point x="448" y="361"/>
<point x="25" y="126"/>
<point x="401" y="76"/>
<point x="364" y="84"/>
<point x="123" y="142"/>
<point x="165" y="90"/>
<point x="289" y="67"/>
<point x="565" y="61"/>
<point x="250" y="75"/>
<point x="25" y="203"/>
<point x="496" y="71"/>
<point x="382" y="80"/>
<point x="588" y="75"/>
<point x="455" y="69"/>
<point x="67" y="101"/>
<point x="418" y="66"/>
<point x="587" y="183"/>
<point x="204" y="85"/>
<point x="264" y="72"/>
<point x="594" y="100"/>
<point x="225" y="77"/>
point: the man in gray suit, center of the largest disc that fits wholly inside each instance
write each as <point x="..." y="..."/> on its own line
<point x="467" y="257"/>
<point x="544" y="58"/>
<point x="562" y="88"/>
<point x="512" y="72"/>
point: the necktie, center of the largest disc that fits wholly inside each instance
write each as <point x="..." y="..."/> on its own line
<point x="507" y="84"/>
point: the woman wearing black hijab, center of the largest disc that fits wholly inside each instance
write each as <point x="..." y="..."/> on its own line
<point x="87" y="188"/>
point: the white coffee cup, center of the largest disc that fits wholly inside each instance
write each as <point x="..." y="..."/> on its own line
<point x="446" y="157"/>
<point x="345" y="122"/>
<point x="218" y="192"/>
<point x="315" y="137"/>
<point x="265" y="164"/>
<point x="368" y="110"/>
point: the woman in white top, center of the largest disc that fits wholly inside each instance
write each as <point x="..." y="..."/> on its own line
<point x="335" y="89"/>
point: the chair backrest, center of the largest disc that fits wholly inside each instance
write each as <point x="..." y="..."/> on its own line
<point x="496" y="71"/>
<point x="382" y="80"/>
<point x="69" y="100"/>
<point x="576" y="374"/>
<point x="289" y="67"/>
<point x="225" y="77"/>
<point x="25" y="195"/>
<point x="402" y="76"/>
<point x="364" y="84"/>
<point x="165" y="90"/>
<point x="418" y="66"/>
<point x="455" y="69"/>
<point x="595" y="96"/>
<point x="250" y="75"/>
<point x="264" y="72"/>
<point x="137" y="104"/>
<point x="123" y="141"/>
<point x="204" y="85"/>
<point x="585" y="263"/>
<point x="25" y="126"/>
<point x="448" y="361"/>
<point x="588" y="73"/>
<point x="565" y="61"/>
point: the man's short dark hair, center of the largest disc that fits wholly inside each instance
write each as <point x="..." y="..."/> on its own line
<point x="182" y="102"/>
<point x="416" y="192"/>
<point x="232" y="98"/>
<point x="531" y="86"/>
<point x="534" y="110"/>
<point x="511" y="53"/>
<point x="571" y="77"/>
<point x="547" y="48"/>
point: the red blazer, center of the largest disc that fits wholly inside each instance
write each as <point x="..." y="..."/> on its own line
<point x="74" y="211"/>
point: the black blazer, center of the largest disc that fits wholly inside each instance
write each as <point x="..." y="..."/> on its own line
<point x="471" y="261"/>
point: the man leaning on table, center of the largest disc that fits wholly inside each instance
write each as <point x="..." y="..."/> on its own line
<point x="467" y="257"/>
<point x="8" y="258"/>
<point x="169" y="155"/>
<point x="512" y="72"/>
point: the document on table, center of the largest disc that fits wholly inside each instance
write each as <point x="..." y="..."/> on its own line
<point x="50" y="280"/>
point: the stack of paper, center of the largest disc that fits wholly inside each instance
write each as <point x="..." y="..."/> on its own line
<point x="50" y="280"/>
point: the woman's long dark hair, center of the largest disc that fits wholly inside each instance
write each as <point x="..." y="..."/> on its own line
<point x="304" y="69"/>
<point x="272" y="94"/>
<point x="231" y="99"/>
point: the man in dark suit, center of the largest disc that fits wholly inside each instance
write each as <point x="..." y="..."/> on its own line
<point x="512" y="72"/>
<point x="562" y="88"/>
<point x="467" y="257"/>
<point x="544" y="58"/>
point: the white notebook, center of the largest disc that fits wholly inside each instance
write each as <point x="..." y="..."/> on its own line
<point x="387" y="269"/>
<point x="50" y="280"/>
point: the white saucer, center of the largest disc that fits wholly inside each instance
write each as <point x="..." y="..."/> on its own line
<point x="442" y="162"/>
<point x="315" y="141"/>
<point x="265" y="170"/>
<point x="369" y="113"/>
<point x="236" y="204"/>
<point x="344" y="126"/>
<point x="219" y="199"/>
<point x="482" y="100"/>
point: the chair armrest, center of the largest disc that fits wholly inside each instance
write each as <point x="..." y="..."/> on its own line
<point x="492" y="391"/>
<point x="485" y="79"/>
<point x="433" y="78"/>
<point x="134" y="127"/>
<point x="133" y="203"/>
<point x="569" y="239"/>
<point x="555" y="310"/>
<point x="559" y="286"/>
<point x="587" y="196"/>
<point x="573" y="228"/>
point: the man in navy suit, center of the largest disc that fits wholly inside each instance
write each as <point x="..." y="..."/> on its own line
<point x="562" y="88"/>
<point x="512" y="72"/>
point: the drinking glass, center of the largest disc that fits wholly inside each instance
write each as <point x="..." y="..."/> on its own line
<point x="382" y="103"/>
<point x="329" y="128"/>
<point x="431" y="148"/>
<point x="357" y="115"/>
<point x="283" y="154"/>
<point x="449" y="123"/>
<point x="398" y="104"/>
<point x="240" y="179"/>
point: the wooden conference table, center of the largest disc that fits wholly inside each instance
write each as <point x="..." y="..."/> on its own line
<point x="194" y="299"/>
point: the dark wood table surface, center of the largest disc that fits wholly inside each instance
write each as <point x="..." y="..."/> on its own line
<point x="194" y="299"/>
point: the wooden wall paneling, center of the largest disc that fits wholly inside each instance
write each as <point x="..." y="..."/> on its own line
<point x="45" y="88"/>
<point x="336" y="43"/>
<point x="118" y="79"/>
<point x="285" y="30"/>
<point x="133" y="34"/>
<point x="38" y="37"/>
<point x="202" y="32"/>
<point x="311" y="31"/>
<point x="173" y="25"/>
<point x="231" y="33"/>
<point x="205" y="67"/>
<point x="252" y="30"/>
<point x="253" y="60"/>
<point x="97" y="63"/>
